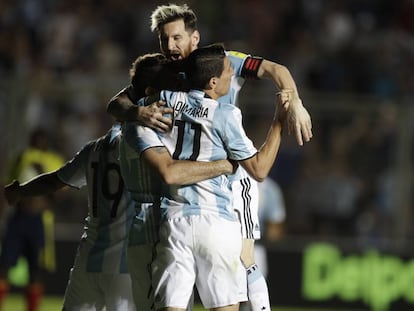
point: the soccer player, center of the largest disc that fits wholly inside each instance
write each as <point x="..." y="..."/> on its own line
<point x="176" y="27"/>
<point x="99" y="277"/>
<point x="146" y="186"/>
<point x="29" y="221"/>
<point x="200" y="235"/>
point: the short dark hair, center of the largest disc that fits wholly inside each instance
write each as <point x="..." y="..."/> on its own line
<point x="156" y="71"/>
<point x="145" y="72"/>
<point x="203" y="64"/>
<point x="165" y="14"/>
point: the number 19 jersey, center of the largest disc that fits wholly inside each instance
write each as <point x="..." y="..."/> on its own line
<point x="110" y="209"/>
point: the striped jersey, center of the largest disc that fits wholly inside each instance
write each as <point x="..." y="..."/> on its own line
<point x="204" y="130"/>
<point x="110" y="208"/>
<point x="143" y="183"/>
<point x="238" y="62"/>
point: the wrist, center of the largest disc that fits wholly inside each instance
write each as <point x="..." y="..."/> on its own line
<point x="226" y="167"/>
<point x="229" y="166"/>
<point x="296" y="101"/>
<point x="278" y="124"/>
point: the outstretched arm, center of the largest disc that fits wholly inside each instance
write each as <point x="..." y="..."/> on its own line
<point x="123" y="109"/>
<point x="260" y="164"/>
<point x="182" y="172"/>
<point x="298" y="118"/>
<point x="40" y="185"/>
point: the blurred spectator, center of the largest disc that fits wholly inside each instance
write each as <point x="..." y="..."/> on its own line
<point x="328" y="193"/>
<point x="29" y="228"/>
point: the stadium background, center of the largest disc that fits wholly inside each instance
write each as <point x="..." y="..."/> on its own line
<point x="348" y="192"/>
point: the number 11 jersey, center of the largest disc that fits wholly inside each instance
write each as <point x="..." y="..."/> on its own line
<point x="204" y="130"/>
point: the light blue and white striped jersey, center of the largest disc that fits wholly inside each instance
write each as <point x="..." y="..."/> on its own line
<point x="144" y="185"/>
<point x="238" y="61"/>
<point x="142" y="182"/>
<point x="204" y="130"/>
<point x="110" y="208"/>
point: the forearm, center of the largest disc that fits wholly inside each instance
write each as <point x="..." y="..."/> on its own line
<point x="122" y="108"/>
<point x="182" y="172"/>
<point x="152" y="115"/>
<point x="259" y="166"/>
<point x="298" y="119"/>
<point x="280" y="75"/>
<point x="189" y="172"/>
<point x="41" y="185"/>
<point x="268" y="151"/>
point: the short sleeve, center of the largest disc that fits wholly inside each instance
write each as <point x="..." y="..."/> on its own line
<point x="73" y="173"/>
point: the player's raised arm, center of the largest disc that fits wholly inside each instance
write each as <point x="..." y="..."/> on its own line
<point x="260" y="164"/>
<point x="298" y="118"/>
<point x="122" y="108"/>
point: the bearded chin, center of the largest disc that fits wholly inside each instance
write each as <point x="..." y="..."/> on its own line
<point x="175" y="56"/>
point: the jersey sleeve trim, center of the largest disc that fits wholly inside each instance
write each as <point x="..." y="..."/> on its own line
<point x="253" y="155"/>
<point x="150" y="147"/>
<point x="69" y="184"/>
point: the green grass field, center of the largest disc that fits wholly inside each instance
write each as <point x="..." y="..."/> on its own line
<point x="16" y="303"/>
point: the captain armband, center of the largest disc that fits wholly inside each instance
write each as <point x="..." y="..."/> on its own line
<point x="251" y="67"/>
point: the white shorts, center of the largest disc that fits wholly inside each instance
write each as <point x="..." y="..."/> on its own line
<point x="246" y="204"/>
<point x="91" y="291"/>
<point x="201" y="250"/>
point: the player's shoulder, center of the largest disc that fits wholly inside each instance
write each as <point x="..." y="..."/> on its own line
<point x="236" y="54"/>
<point x="244" y="65"/>
<point x="91" y="146"/>
<point x="227" y="109"/>
<point x="172" y="95"/>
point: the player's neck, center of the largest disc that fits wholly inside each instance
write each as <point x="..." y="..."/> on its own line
<point x="211" y="94"/>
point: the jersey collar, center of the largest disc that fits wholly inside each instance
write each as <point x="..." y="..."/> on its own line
<point x="198" y="94"/>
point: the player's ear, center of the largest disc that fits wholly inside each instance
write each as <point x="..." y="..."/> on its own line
<point x="212" y="83"/>
<point x="195" y="39"/>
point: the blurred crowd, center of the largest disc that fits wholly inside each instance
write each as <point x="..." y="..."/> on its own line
<point x="61" y="61"/>
<point x="345" y="45"/>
